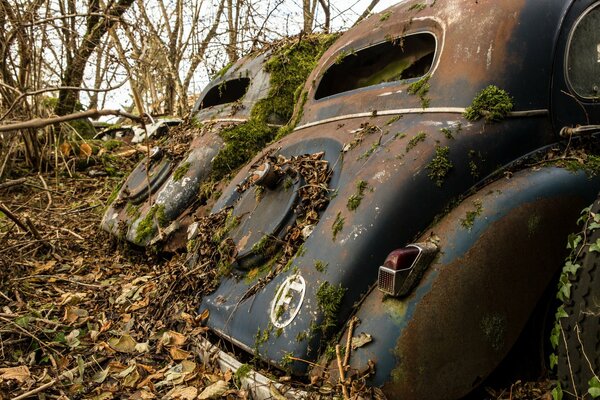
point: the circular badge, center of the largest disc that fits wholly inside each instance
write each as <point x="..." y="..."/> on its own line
<point x="287" y="301"/>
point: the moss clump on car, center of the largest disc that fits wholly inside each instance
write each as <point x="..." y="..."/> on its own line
<point x="492" y="103"/>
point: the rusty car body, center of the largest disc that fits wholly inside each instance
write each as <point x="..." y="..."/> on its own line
<point x="490" y="202"/>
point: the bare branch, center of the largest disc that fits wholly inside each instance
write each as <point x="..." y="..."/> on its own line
<point x="42" y="122"/>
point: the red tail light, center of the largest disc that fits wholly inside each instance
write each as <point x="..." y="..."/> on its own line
<point x="402" y="258"/>
<point x="403" y="268"/>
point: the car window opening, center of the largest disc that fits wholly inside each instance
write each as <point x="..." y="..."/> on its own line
<point x="404" y="58"/>
<point x="225" y="92"/>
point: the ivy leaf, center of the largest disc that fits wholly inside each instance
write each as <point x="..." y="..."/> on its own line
<point x="571" y="268"/>
<point x="561" y="313"/>
<point x="557" y="393"/>
<point x="554" y="338"/>
<point x="593" y="226"/>
<point x="595" y="246"/>
<point x="594" y="387"/>
<point x="553" y="362"/>
<point x="565" y="291"/>
<point x="573" y="241"/>
<point x="584" y="215"/>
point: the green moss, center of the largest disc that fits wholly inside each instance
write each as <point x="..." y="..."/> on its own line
<point x="338" y="224"/>
<point x="114" y="193"/>
<point x="355" y="200"/>
<point x="289" y="67"/>
<point x="181" y="171"/>
<point x="417" y="7"/>
<point x="261" y="246"/>
<point x="418" y="138"/>
<point x="301" y="336"/>
<point x="590" y="164"/>
<point x="222" y="71"/>
<point x="473" y="168"/>
<point x="146" y="227"/>
<point x="242" y="142"/>
<point x="385" y="16"/>
<point x="492" y="103"/>
<point x="262" y="270"/>
<point x="110" y="145"/>
<point x="440" y="165"/>
<point x="393" y="119"/>
<point x="320" y="266"/>
<point x="241" y="373"/>
<point x="132" y="210"/>
<point x="231" y="222"/>
<point x="329" y="300"/>
<point x="370" y="151"/>
<point x="471" y="215"/>
<point x="421" y="88"/>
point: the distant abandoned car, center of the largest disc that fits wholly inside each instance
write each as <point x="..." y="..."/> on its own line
<point x="236" y="115"/>
<point x="419" y="210"/>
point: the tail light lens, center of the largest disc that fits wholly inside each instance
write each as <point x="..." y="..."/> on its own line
<point x="403" y="268"/>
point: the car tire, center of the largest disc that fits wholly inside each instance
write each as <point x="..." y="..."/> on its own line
<point x="579" y="343"/>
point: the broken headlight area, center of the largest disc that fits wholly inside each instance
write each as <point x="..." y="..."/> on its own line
<point x="271" y="214"/>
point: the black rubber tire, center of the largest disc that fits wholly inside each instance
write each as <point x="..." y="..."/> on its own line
<point x="577" y="350"/>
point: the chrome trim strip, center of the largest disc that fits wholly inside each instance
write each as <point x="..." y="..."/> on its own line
<point x="204" y="121"/>
<point x="431" y="110"/>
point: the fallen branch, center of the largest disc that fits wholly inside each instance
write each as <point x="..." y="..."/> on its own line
<point x="14" y="182"/>
<point x="43" y="122"/>
<point x="13" y="218"/>
<point x="55" y="380"/>
<point x="341" y="371"/>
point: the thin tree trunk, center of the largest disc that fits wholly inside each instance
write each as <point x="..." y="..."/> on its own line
<point x="73" y="75"/>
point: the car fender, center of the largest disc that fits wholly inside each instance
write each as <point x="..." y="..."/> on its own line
<point x="499" y="250"/>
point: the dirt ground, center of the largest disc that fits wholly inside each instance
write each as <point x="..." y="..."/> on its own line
<point x="85" y="316"/>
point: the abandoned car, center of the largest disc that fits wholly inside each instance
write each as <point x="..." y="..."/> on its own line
<point x="435" y="129"/>
<point x="407" y="230"/>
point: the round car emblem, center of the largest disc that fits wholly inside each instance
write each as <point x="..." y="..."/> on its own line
<point x="287" y="301"/>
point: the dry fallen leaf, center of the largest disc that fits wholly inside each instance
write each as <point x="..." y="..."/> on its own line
<point x="184" y="393"/>
<point x="172" y="338"/>
<point x="214" y="391"/>
<point x="124" y="344"/>
<point x="178" y="354"/>
<point x="65" y="149"/>
<point x="85" y="150"/>
<point x="101" y="375"/>
<point x="19" y="374"/>
<point x="361" y="340"/>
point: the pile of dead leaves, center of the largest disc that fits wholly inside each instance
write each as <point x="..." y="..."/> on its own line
<point x="83" y="316"/>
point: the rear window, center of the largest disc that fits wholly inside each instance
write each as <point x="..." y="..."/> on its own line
<point x="394" y="60"/>
<point x="583" y="60"/>
<point x="226" y="92"/>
